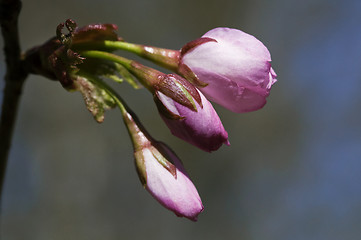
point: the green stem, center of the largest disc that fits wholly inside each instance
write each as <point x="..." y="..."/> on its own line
<point x="167" y="58"/>
<point x="127" y="63"/>
<point x="137" y="132"/>
<point x="118" y="100"/>
<point x="109" y="46"/>
<point x="130" y="47"/>
<point x="147" y="76"/>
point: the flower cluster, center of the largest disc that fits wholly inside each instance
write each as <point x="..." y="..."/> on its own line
<point x="225" y="66"/>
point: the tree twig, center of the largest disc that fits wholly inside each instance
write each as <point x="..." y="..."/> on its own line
<point x="14" y="79"/>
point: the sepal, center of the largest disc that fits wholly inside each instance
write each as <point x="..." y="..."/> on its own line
<point x="162" y="156"/>
<point x="180" y="90"/>
<point x="195" y="43"/>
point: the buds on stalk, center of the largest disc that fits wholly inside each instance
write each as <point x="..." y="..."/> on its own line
<point x="230" y="67"/>
<point x="162" y="173"/>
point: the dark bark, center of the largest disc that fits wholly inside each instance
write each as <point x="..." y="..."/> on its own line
<point x="14" y="79"/>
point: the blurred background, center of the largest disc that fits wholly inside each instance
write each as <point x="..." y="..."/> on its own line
<point x="292" y="170"/>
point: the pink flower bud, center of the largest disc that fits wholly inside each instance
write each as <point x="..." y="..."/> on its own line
<point x="162" y="173"/>
<point x="186" y="112"/>
<point x="235" y="65"/>
<point x="199" y="125"/>
<point x="174" y="190"/>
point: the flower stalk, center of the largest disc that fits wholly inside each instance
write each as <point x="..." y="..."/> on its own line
<point x="130" y="65"/>
<point x="159" y="169"/>
<point x="164" y="57"/>
<point x="230" y="67"/>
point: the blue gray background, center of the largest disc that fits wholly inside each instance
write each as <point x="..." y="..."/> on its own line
<point x="292" y="170"/>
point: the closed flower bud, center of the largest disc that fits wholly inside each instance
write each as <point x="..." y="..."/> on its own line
<point x="195" y="120"/>
<point x="162" y="173"/>
<point x="235" y="66"/>
<point x="184" y="109"/>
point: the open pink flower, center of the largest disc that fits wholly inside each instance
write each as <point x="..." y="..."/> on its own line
<point x="235" y="65"/>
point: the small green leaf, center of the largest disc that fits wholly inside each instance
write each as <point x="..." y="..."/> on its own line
<point x="97" y="100"/>
<point x="115" y="78"/>
<point x="127" y="76"/>
<point x="108" y="69"/>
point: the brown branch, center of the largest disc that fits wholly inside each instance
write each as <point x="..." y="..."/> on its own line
<point x="14" y="79"/>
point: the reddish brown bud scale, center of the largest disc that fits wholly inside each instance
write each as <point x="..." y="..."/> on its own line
<point x="96" y="32"/>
